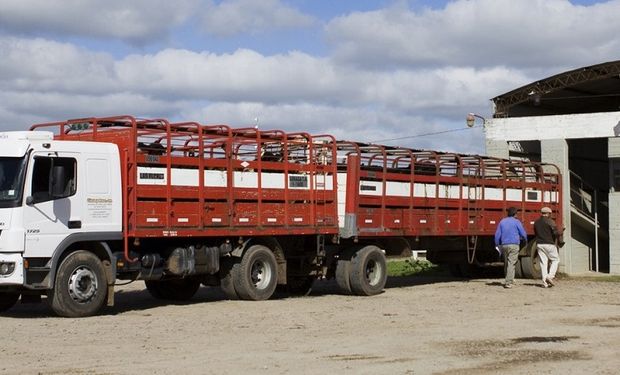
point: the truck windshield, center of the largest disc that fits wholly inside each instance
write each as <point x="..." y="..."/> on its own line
<point x="11" y="181"/>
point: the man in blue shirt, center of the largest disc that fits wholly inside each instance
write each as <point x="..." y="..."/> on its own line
<point x="508" y="236"/>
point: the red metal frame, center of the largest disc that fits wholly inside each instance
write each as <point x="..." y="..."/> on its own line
<point x="390" y="215"/>
<point x="205" y="209"/>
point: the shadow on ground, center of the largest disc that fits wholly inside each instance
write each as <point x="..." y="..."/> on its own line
<point x="141" y="300"/>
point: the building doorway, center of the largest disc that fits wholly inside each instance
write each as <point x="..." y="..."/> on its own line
<point x="588" y="166"/>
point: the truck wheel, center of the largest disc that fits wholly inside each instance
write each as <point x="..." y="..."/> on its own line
<point x="368" y="271"/>
<point x="300" y="285"/>
<point x="529" y="264"/>
<point x="80" y="288"/>
<point x="343" y="274"/>
<point x="174" y="290"/>
<point x="256" y="276"/>
<point x="8" y="300"/>
<point x="531" y="268"/>
<point x="227" y="282"/>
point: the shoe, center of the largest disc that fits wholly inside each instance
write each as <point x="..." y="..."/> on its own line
<point x="507" y="286"/>
<point x="544" y="286"/>
<point x="550" y="281"/>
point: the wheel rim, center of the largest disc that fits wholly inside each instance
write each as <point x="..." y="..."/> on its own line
<point x="82" y="284"/>
<point x="260" y="274"/>
<point x="373" y="272"/>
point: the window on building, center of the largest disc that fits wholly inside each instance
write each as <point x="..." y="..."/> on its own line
<point x="614" y="174"/>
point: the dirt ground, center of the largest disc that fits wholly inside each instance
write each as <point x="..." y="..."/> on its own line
<point x="420" y="325"/>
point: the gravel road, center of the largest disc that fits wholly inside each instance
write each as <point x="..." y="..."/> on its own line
<point x="419" y="325"/>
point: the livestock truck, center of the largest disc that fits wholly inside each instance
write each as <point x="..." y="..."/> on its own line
<point x="89" y="202"/>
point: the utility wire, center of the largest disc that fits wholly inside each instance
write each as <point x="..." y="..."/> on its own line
<point x="426" y="134"/>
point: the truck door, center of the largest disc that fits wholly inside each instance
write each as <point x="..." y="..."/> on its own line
<point x="53" y="210"/>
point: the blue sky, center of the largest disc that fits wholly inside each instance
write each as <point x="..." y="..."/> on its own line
<point x="361" y="70"/>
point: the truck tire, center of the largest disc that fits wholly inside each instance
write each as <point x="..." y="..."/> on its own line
<point x="173" y="290"/>
<point x="8" y="300"/>
<point x="256" y="276"/>
<point x="299" y="286"/>
<point x="343" y="275"/>
<point x="530" y="266"/>
<point x="80" y="288"/>
<point x="368" y="271"/>
<point x="227" y="271"/>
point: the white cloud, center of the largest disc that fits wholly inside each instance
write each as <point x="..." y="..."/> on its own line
<point x="62" y="106"/>
<point x="362" y="124"/>
<point x="293" y="91"/>
<point x="136" y="21"/>
<point x="44" y="65"/>
<point x="524" y="33"/>
<point x="250" y="16"/>
<point x="244" y="75"/>
<point x="402" y="74"/>
<point x="247" y="76"/>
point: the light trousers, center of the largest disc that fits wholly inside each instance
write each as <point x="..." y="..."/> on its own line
<point x="549" y="260"/>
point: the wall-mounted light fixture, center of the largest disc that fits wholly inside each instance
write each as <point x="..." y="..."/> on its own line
<point x="471" y="119"/>
<point x="534" y="97"/>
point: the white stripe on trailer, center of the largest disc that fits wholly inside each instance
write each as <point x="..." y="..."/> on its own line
<point x="514" y="194"/>
<point x="342" y="197"/>
<point x="241" y="179"/>
<point x="550" y="197"/>
<point x="424" y="190"/>
<point x="493" y="194"/>
<point x="449" y="191"/>
<point x="215" y="178"/>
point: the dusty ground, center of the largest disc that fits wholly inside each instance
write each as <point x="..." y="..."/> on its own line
<point x="420" y="325"/>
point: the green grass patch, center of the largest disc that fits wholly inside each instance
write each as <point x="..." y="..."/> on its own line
<point x="410" y="267"/>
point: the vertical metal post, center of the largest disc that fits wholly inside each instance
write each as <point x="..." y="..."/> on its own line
<point x="595" y="208"/>
<point x="351" y="200"/>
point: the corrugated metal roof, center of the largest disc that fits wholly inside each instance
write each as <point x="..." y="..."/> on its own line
<point x="589" y="89"/>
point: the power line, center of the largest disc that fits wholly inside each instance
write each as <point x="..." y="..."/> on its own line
<point x="426" y="134"/>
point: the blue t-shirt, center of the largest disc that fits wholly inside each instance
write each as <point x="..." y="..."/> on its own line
<point x="509" y="232"/>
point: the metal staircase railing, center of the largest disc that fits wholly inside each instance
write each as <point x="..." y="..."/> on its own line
<point x="584" y="202"/>
<point x="583" y="197"/>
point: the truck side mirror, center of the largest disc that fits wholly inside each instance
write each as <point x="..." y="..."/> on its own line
<point x="58" y="182"/>
<point x="29" y="200"/>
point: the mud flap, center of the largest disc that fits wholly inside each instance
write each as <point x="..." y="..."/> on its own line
<point x="111" y="278"/>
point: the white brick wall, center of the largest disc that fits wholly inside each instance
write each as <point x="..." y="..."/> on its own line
<point x="589" y="125"/>
<point x="553" y="132"/>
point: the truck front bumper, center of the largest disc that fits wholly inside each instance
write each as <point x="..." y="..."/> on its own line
<point x="11" y="269"/>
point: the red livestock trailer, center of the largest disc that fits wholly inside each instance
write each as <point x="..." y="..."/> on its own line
<point x="180" y="204"/>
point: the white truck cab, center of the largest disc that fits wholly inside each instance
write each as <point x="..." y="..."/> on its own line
<point x="55" y="198"/>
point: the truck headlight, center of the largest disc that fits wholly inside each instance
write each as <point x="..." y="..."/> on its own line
<point x="7" y="268"/>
